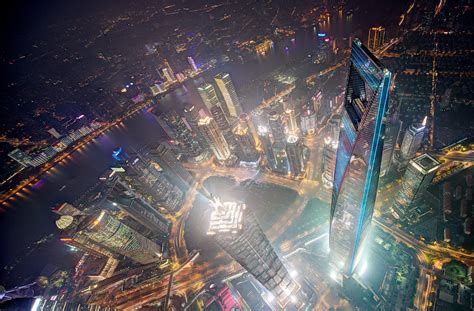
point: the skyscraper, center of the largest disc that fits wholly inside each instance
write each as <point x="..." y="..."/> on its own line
<point x="227" y="89"/>
<point x="264" y="136"/>
<point x="247" y="147"/>
<point x="209" y="97"/>
<point x="104" y="235"/>
<point x="358" y="157"/>
<point x="294" y="152"/>
<point x="214" y="138"/>
<point x="173" y="169"/>
<point x="192" y="64"/>
<point x="145" y="177"/>
<point x="169" y="78"/>
<point x="329" y="152"/>
<point x="412" y="140"/>
<point x="308" y="119"/>
<point x="70" y="234"/>
<point x="236" y="230"/>
<point x="418" y="177"/>
<point x="168" y="71"/>
<point x="224" y="126"/>
<point x="376" y="38"/>
<point x="142" y="212"/>
<point x="176" y="128"/>
<point x="108" y="231"/>
<point x="280" y="158"/>
<point x="392" y="132"/>
<point x="192" y="115"/>
<point x="291" y="123"/>
<point x="277" y="127"/>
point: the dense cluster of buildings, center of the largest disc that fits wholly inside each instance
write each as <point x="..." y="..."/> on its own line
<point x="60" y="143"/>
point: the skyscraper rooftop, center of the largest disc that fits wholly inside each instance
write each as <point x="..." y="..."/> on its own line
<point x="226" y="217"/>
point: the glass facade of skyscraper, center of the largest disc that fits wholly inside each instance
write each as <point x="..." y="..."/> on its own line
<point x="358" y="157"/>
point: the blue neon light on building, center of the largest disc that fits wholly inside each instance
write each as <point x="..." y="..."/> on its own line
<point x="358" y="157"/>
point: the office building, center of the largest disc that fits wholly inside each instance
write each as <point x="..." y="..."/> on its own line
<point x="168" y="72"/>
<point x="308" y="120"/>
<point x="376" y="38"/>
<point x="417" y="178"/>
<point x="329" y="152"/>
<point x="192" y="64"/>
<point x="234" y="227"/>
<point x="71" y="234"/>
<point x="214" y="138"/>
<point x="392" y="133"/>
<point x="291" y="122"/>
<point x="294" y="153"/>
<point x="247" y="147"/>
<point x="146" y="177"/>
<point x="176" y="128"/>
<point x="209" y="97"/>
<point x="172" y="168"/>
<point x="358" y="158"/>
<point x="224" y="126"/>
<point x="21" y="157"/>
<point x="277" y="127"/>
<point x="266" y="143"/>
<point x="140" y="211"/>
<point x="169" y="78"/>
<point x="412" y="140"/>
<point x="106" y="231"/>
<point x="280" y="158"/>
<point x="192" y="115"/>
<point x="227" y="89"/>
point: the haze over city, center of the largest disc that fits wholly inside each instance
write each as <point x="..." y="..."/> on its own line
<point x="237" y="155"/>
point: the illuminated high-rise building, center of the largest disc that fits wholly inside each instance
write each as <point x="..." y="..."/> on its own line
<point x="291" y="123"/>
<point x="176" y="128"/>
<point x="71" y="234"/>
<point x="358" y="158"/>
<point x="224" y="126"/>
<point x="376" y="38"/>
<point x="266" y="144"/>
<point x="392" y="132"/>
<point x="172" y="168"/>
<point x="216" y="141"/>
<point x="235" y="228"/>
<point x="192" y="115"/>
<point x="418" y="177"/>
<point x="106" y="230"/>
<point x="412" y="140"/>
<point x="329" y="152"/>
<point x="227" y="89"/>
<point x="247" y="147"/>
<point x="140" y="211"/>
<point x="169" y="78"/>
<point x="294" y="153"/>
<point x="169" y="69"/>
<point x="209" y="97"/>
<point x="277" y="127"/>
<point x="146" y="177"/>
<point x="192" y="64"/>
<point x="308" y="119"/>
<point x="20" y="156"/>
<point x="280" y="158"/>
